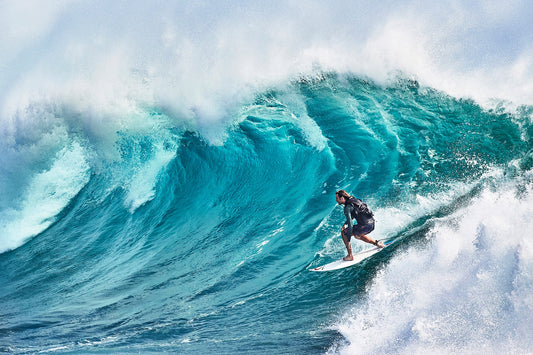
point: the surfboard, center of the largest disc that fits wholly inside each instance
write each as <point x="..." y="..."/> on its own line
<point x="357" y="258"/>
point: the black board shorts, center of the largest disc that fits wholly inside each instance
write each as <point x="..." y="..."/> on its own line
<point x="359" y="229"/>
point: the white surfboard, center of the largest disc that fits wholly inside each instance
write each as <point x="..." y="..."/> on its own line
<point x="357" y="258"/>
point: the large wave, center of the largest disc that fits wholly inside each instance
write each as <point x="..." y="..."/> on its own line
<point x="177" y="234"/>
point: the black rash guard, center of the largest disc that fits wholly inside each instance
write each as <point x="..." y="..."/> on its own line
<point x="361" y="220"/>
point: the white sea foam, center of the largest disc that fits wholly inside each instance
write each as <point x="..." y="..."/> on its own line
<point x="468" y="291"/>
<point x="198" y="60"/>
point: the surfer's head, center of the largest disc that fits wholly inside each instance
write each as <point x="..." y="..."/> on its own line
<point x="341" y="196"/>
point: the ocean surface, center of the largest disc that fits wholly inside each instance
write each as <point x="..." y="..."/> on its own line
<point x="150" y="207"/>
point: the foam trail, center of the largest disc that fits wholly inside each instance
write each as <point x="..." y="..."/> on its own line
<point x="141" y="188"/>
<point x="469" y="291"/>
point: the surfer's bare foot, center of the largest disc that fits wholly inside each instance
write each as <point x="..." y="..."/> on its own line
<point x="348" y="258"/>
<point x="380" y="244"/>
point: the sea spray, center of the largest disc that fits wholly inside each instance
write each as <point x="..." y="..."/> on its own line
<point x="467" y="290"/>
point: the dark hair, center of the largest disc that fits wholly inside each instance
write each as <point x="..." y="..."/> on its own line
<point x="343" y="193"/>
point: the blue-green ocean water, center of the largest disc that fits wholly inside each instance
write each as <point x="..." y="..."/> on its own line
<point x="171" y="238"/>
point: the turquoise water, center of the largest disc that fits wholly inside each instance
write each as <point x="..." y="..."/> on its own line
<point x="182" y="245"/>
<point x="168" y="170"/>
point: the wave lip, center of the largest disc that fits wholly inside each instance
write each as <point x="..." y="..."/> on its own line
<point x="195" y="235"/>
<point x="47" y="194"/>
<point x="142" y="187"/>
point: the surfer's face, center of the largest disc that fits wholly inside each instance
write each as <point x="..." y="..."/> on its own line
<point x="340" y="199"/>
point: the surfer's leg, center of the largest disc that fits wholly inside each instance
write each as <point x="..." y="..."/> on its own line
<point x="366" y="239"/>
<point x="348" y="246"/>
<point x="361" y="231"/>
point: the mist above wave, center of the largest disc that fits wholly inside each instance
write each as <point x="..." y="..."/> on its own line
<point x="199" y="60"/>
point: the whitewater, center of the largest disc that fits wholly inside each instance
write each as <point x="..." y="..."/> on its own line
<point x="168" y="174"/>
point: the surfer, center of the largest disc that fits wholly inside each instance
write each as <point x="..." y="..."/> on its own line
<point x="356" y="209"/>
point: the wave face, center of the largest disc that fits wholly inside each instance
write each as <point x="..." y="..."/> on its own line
<point x="159" y="237"/>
